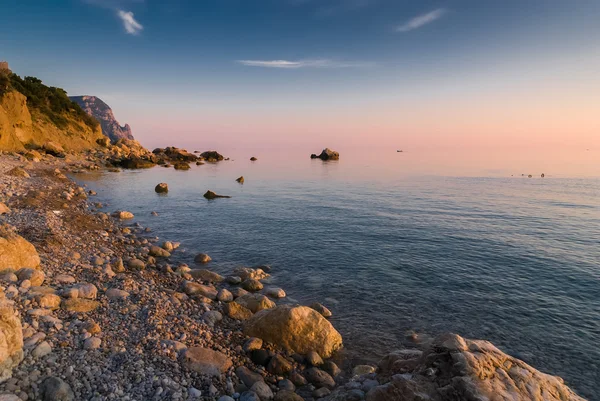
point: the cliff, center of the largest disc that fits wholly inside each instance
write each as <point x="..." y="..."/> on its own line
<point x="32" y="114"/>
<point x="96" y="108"/>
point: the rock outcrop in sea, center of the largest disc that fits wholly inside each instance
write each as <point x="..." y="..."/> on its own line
<point x="96" y="108"/>
<point x="326" y="154"/>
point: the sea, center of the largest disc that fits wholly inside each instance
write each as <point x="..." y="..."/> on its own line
<point x="401" y="245"/>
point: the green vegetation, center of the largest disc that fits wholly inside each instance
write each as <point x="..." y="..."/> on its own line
<point x="50" y="101"/>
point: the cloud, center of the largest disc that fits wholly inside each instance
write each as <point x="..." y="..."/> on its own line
<point x="132" y="27"/>
<point x="421" y="20"/>
<point x="317" y="63"/>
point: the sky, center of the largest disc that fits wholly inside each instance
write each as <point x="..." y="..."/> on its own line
<point x="465" y="74"/>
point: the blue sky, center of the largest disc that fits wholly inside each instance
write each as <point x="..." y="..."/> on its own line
<point x="249" y="67"/>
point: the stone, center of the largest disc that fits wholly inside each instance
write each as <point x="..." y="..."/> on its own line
<point x="54" y="149"/>
<point x="286" y="395"/>
<point x="15" y="251"/>
<point x="123" y="215"/>
<point x="252" y="344"/>
<point x="263" y="390"/>
<point x="206" y="275"/>
<point x="321" y="309"/>
<point x="319" y="378"/>
<point x="321" y="392"/>
<point x="162" y="188"/>
<point x="64" y="279"/>
<point x="240" y="180"/>
<point x="252" y="285"/>
<point x="86" y="290"/>
<point x="361" y="370"/>
<point x="41" y="350"/>
<point x="255" y="303"/>
<point x="326" y="154"/>
<point x="158" y="252"/>
<point x="278" y="365"/>
<point x="202" y="258"/>
<point x="314" y="359"/>
<point x="297" y="378"/>
<point x="286" y="385"/>
<point x="18" y="172"/>
<point x="168" y="246"/>
<point x="233" y="280"/>
<point x="136" y="264"/>
<point x="249" y="396"/>
<point x="79" y="305"/>
<point x="245" y="273"/>
<point x="212" y="317"/>
<point x="49" y="301"/>
<point x="35" y="276"/>
<point x="55" y="389"/>
<point x="9" y="397"/>
<point x="224" y="295"/>
<point x="296" y="328"/>
<point x="192" y="288"/>
<point x="206" y="361"/>
<point x="237" y="311"/>
<point x="115" y="294"/>
<point x="211" y="195"/>
<point x="247" y="376"/>
<point x="92" y="343"/>
<point x="11" y="339"/>
<point x="4" y="209"/>
<point x="332" y="368"/>
<point x="238" y="292"/>
<point x="181" y="166"/>
<point x="225" y="398"/>
<point x="275" y="292"/>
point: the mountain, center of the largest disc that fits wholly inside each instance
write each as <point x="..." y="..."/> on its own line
<point x="33" y="114"/>
<point x="96" y="108"/>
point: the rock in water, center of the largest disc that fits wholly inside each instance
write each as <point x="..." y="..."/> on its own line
<point x="202" y="258"/>
<point x="15" y="251"/>
<point x="212" y="195"/>
<point x="211" y="156"/>
<point x="162" y="188"/>
<point x="206" y="361"/>
<point x="297" y="328"/>
<point x="11" y="340"/>
<point x="326" y="154"/>
<point x="253" y="159"/>
<point x="181" y="166"/>
<point x="240" y="180"/>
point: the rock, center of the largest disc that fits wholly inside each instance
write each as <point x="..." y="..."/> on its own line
<point x="9" y="397"/>
<point x="331" y="368"/>
<point x="470" y="369"/>
<point x="92" y="343"/>
<point x="253" y="159"/>
<point x="252" y="344"/>
<point x="135" y="163"/>
<point x="247" y="376"/>
<point x="136" y="264"/>
<point x="246" y="273"/>
<point x="11" y="339"/>
<point x="263" y="390"/>
<point x="212" y="317"/>
<point x="206" y="361"/>
<point x="85" y="290"/>
<point x="55" y="389"/>
<point x="225" y="398"/>
<point x="321" y="309"/>
<point x="298" y="379"/>
<point x="116" y="294"/>
<point x="238" y="292"/>
<point x="158" y="252"/>
<point x="286" y="395"/>
<point x="326" y="154"/>
<point x="275" y="292"/>
<point x="192" y="288"/>
<point x="123" y="215"/>
<point x="181" y="166"/>
<point x="314" y="359"/>
<point x="162" y="188"/>
<point x="4" y="209"/>
<point x="233" y="280"/>
<point x="240" y="180"/>
<point x="249" y="396"/>
<point x="41" y="350"/>
<point x="286" y="385"/>
<point x="79" y="305"/>
<point x="48" y="301"/>
<point x="18" y="172"/>
<point x="64" y="279"/>
<point x="15" y="251"/>
<point x="237" y="311"/>
<point x="104" y="142"/>
<point x="278" y="365"/>
<point x="296" y="328"/>
<point x="206" y="275"/>
<point x="361" y="370"/>
<point x="35" y="276"/>
<point x="211" y="195"/>
<point x="202" y="258"/>
<point x="224" y="295"/>
<point x="252" y="285"/>
<point x="211" y="156"/>
<point x="319" y="378"/>
<point x="321" y="392"/>
<point x="255" y="303"/>
<point x="54" y="149"/>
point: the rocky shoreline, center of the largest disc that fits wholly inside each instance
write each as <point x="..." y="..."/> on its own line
<point x="101" y="314"/>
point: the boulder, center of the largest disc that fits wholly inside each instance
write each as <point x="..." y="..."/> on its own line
<point x="278" y="365"/>
<point x="15" y="251"/>
<point x="55" y="389"/>
<point x="11" y="340"/>
<point x="319" y="378"/>
<point x="255" y="303"/>
<point x="275" y="292"/>
<point x="202" y="258"/>
<point x="237" y="311"/>
<point x="296" y="328"/>
<point x="246" y="273"/>
<point x="206" y="361"/>
<point x="35" y="276"/>
<point x="321" y="309"/>
<point x="123" y="215"/>
<point x="211" y="195"/>
<point x="161" y="188"/>
<point x="193" y="288"/>
<point x="4" y="209"/>
<point x="252" y="284"/>
<point x="326" y="154"/>
<point x="79" y="305"/>
<point x="211" y="156"/>
<point x="158" y="252"/>
<point x="54" y="149"/>
<point x="206" y="275"/>
<point x="224" y="295"/>
<point x="181" y="166"/>
<point x="134" y="162"/>
<point x="287" y="395"/>
<point x="247" y="376"/>
<point x="240" y="180"/>
<point x="18" y="172"/>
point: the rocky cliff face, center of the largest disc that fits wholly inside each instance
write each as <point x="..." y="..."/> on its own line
<point x="95" y="107"/>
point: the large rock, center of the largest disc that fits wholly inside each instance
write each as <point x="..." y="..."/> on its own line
<point x="193" y="288"/>
<point x="454" y="368"/>
<point x="297" y="328"/>
<point x="15" y="251"/>
<point x="11" y="340"/>
<point x="206" y="361"/>
<point x="326" y="154"/>
<point x="55" y="389"/>
<point x="206" y="275"/>
<point x="255" y="302"/>
<point x="54" y="149"/>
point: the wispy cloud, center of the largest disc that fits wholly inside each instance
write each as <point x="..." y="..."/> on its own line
<point x="421" y="20"/>
<point x="131" y="26"/>
<point x="314" y="63"/>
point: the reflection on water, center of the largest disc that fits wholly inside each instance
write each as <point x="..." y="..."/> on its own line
<point x="397" y="243"/>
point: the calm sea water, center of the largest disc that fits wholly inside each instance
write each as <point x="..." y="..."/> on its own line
<point x="399" y="245"/>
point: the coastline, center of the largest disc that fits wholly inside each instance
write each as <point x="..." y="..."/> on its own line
<point x="144" y="331"/>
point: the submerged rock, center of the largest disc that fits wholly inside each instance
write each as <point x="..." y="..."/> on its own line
<point x="211" y="195"/>
<point x="296" y="328"/>
<point x="181" y="166"/>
